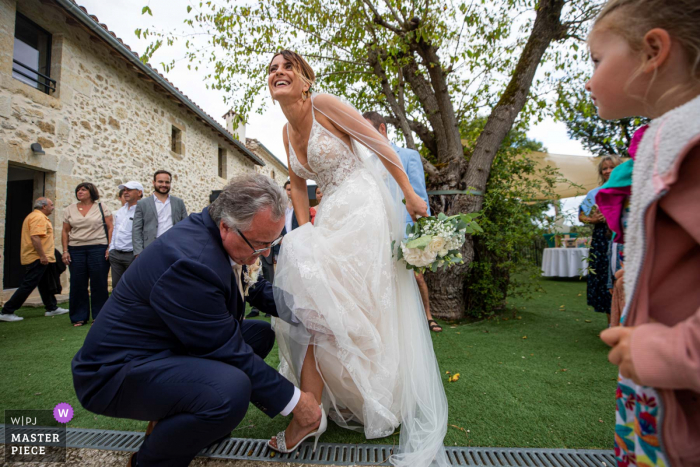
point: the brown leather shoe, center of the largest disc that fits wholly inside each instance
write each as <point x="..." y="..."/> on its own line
<point x="150" y="427"/>
<point x="132" y="461"/>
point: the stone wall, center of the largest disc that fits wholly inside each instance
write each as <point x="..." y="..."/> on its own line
<point x="105" y="124"/>
<point x="273" y="167"/>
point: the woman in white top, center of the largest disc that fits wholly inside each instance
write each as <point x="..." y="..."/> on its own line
<point x="87" y="232"/>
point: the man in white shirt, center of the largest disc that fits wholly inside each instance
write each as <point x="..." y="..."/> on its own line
<point x="156" y="214"/>
<point x="121" y="249"/>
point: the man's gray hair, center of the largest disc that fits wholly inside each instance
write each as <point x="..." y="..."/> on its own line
<point x="246" y="195"/>
<point x="41" y="203"/>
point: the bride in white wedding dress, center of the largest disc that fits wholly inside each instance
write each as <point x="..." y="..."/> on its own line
<point x="352" y="329"/>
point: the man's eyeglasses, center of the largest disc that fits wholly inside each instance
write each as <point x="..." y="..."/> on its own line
<point x="261" y="250"/>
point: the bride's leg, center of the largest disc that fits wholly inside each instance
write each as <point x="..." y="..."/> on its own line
<point x="312" y="382"/>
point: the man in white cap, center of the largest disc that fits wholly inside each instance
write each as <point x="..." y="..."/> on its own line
<point x="121" y="250"/>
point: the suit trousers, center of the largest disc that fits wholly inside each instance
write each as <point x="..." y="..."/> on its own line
<point x="34" y="277"/>
<point x="119" y="262"/>
<point x="87" y="266"/>
<point x="196" y="401"/>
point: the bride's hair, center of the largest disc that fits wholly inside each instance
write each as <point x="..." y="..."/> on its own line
<point x="300" y="66"/>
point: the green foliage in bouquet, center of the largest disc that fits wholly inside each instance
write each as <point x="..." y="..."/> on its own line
<point x="452" y="230"/>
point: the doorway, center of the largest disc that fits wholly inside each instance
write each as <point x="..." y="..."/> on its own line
<point x="23" y="187"/>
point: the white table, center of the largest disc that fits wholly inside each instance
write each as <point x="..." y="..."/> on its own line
<point x="565" y="262"/>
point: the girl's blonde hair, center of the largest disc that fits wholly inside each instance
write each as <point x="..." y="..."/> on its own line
<point x="681" y="18"/>
<point x="612" y="158"/>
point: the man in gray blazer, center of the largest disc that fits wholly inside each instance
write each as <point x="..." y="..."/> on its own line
<point x="156" y="214"/>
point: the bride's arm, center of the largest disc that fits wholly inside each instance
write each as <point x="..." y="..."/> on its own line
<point x="300" y="195"/>
<point x="348" y="121"/>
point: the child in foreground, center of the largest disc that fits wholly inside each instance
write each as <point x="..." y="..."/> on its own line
<point x="646" y="55"/>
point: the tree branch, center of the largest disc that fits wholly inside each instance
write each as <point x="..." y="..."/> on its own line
<point x="546" y="28"/>
<point x="381" y="21"/>
<point x="397" y="109"/>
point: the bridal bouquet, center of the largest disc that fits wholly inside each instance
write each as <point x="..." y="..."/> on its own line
<point x="434" y="242"/>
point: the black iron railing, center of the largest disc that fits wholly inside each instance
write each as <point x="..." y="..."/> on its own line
<point x="51" y="86"/>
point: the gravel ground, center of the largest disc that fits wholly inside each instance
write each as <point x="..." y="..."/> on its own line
<point x="94" y="457"/>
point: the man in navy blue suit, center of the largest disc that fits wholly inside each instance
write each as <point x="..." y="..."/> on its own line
<point x="171" y="344"/>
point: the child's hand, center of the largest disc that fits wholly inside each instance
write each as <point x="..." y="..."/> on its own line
<point x="619" y="338"/>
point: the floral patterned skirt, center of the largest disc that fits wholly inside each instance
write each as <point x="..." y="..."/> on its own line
<point x="637" y="426"/>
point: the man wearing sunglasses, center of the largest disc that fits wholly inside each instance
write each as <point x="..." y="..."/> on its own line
<point x="171" y="345"/>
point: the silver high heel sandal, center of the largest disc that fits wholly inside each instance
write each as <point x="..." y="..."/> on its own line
<point x="281" y="441"/>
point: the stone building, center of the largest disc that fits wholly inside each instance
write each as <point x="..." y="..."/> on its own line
<point x="76" y="104"/>
<point x="273" y="168"/>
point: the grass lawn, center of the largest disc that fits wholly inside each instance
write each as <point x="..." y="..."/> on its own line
<point x="537" y="376"/>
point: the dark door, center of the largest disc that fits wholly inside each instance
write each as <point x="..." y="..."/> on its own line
<point x="19" y="206"/>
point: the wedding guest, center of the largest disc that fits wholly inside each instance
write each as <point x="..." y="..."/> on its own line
<point x="156" y="214"/>
<point x="121" y="249"/>
<point x="314" y="210"/>
<point x="86" y="235"/>
<point x="37" y="256"/>
<point x="412" y="164"/>
<point x="121" y="197"/>
<point x="171" y="345"/>
<point x="613" y="200"/>
<point x="647" y="64"/>
<point x="597" y="292"/>
<point x="290" y="219"/>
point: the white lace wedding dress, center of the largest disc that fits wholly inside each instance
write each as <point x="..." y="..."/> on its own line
<point x="338" y="287"/>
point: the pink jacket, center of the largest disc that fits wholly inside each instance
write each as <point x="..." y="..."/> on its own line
<point x="664" y="290"/>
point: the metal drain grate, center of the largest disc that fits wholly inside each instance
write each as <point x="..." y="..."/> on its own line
<point x="348" y="454"/>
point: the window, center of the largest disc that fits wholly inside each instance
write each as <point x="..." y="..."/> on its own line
<point x="222" y="162"/>
<point x="31" y="61"/>
<point x="176" y="140"/>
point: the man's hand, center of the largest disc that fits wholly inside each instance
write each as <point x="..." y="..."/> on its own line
<point x="307" y="413"/>
<point x="620" y="339"/>
<point x="107" y="254"/>
<point x="44" y="260"/>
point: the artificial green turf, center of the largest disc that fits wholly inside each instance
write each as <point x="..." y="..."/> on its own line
<point x="536" y="376"/>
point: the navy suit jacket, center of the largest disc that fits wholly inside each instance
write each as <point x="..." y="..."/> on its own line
<point x="178" y="298"/>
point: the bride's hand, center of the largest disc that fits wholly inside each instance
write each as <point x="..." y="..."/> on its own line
<point x="416" y="206"/>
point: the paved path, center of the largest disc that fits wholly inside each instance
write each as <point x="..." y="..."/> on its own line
<point x="98" y="458"/>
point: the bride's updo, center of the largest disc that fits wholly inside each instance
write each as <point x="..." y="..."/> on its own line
<point x="300" y="67"/>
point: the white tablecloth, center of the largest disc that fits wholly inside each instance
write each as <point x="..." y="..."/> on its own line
<point x="565" y="262"/>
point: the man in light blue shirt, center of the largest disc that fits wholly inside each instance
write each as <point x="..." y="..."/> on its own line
<point x="413" y="166"/>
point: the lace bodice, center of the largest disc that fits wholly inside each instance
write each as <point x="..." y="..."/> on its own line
<point x="330" y="160"/>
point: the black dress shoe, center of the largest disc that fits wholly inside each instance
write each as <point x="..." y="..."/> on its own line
<point x="254" y="313"/>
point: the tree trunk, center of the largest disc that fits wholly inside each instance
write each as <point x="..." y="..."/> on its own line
<point x="448" y="289"/>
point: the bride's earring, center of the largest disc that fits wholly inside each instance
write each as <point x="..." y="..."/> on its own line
<point x="304" y="95"/>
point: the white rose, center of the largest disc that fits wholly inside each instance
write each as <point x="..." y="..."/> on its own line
<point x="436" y="244"/>
<point x="443" y="252"/>
<point x="417" y="257"/>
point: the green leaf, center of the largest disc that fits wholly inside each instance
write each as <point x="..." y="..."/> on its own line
<point x="189" y="8"/>
<point x="442" y="216"/>
<point x="420" y="242"/>
<point x="409" y="229"/>
<point x="145" y="10"/>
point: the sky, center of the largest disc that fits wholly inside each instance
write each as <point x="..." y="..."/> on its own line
<point x="123" y="17"/>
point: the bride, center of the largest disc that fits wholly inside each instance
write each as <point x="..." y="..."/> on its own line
<point x="352" y="329"/>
